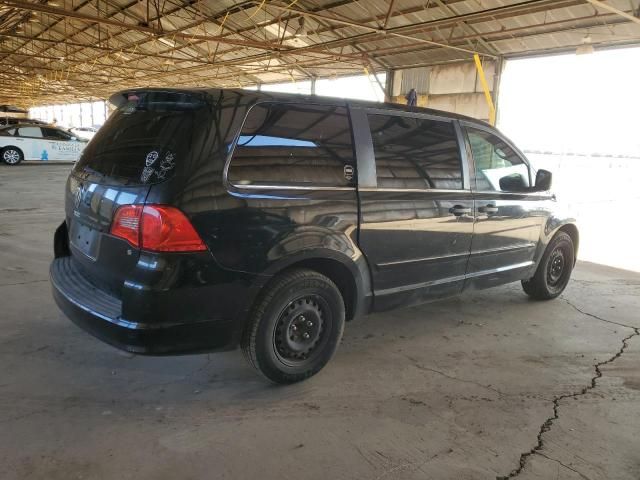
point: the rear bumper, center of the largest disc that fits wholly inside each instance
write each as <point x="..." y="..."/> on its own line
<point x="99" y="314"/>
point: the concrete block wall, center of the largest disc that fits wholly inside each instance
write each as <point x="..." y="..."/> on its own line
<point x="453" y="88"/>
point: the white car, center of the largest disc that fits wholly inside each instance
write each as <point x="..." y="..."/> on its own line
<point x="38" y="142"/>
<point x="85" y="133"/>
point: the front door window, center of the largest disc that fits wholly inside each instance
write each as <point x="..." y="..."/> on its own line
<point x="498" y="167"/>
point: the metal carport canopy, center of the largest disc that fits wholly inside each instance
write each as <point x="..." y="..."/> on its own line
<point x="57" y="51"/>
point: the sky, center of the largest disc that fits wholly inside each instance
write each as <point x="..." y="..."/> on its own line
<point x="573" y="103"/>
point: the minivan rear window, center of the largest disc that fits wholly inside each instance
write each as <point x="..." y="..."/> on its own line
<point x="145" y="138"/>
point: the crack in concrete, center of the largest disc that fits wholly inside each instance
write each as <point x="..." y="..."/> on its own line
<point x="568" y="302"/>
<point x="418" y="365"/>
<point x="546" y="426"/>
<point x="582" y="475"/>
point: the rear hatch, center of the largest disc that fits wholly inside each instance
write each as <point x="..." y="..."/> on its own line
<point x="142" y="144"/>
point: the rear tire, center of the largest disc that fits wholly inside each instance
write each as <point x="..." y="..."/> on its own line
<point x="554" y="270"/>
<point x="295" y="326"/>
<point x="11" y="155"/>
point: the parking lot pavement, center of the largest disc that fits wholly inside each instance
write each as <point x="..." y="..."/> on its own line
<point x="482" y="386"/>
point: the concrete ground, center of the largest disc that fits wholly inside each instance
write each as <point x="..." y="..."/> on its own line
<point x="484" y="386"/>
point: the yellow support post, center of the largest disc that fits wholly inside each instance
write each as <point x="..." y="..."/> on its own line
<point x="487" y="92"/>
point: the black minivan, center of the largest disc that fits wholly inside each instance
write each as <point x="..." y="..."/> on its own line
<point x="200" y="220"/>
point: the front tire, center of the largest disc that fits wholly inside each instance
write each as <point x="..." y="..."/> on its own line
<point x="554" y="270"/>
<point x="295" y="327"/>
<point x="11" y="155"/>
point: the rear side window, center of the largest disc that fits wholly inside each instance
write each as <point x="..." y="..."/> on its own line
<point x="144" y="140"/>
<point x="415" y="153"/>
<point x="33" y="132"/>
<point x="294" y="145"/>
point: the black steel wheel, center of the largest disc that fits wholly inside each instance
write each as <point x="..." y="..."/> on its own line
<point x="11" y="155"/>
<point x="554" y="271"/>
<point x="556" y="267"/>
<point x="299" y="333"/>
<point x="295" y="326"/>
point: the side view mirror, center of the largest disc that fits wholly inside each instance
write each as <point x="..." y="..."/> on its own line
<point x="543" y="180"/>
<point x="513" y="183"/>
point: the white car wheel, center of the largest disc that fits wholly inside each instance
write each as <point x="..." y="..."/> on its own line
<point x="11" y="156"/>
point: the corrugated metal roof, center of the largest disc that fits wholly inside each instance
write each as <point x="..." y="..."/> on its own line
<point x="86" y="49"/>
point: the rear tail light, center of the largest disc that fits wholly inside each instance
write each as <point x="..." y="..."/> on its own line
<point x="126" y="224"/>
<point x="167" y="229"/>
<point x="159" y="228"/>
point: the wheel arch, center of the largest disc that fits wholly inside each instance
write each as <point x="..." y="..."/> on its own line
<point x="338" y="273"/>
<point x="351" y="276"/>
<point x="61" y="241"/>
<point x="571" y="230"/>
<point x="6" y="147"/>
<point x="554" y="225"/>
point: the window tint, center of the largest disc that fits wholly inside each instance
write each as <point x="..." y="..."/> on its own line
<point x="145" y="139"/>
<point x="30" y="132"/>
<point x="55" y="134"/>
<point x="498" y="167"/>
<point x="415" y="153"/>
<point x="306" y="145"/>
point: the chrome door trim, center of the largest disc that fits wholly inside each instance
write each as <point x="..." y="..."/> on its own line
<point x="412" y="190"/>
<point x="508" y="248"/>
<point x="289" y="187"/>
<point x="422" y="259"/>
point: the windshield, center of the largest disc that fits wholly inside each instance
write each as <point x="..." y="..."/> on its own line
<point x="144" y="139"/>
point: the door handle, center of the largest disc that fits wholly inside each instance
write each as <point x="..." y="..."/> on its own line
<point x="459" y="210"/>
<point x="488" y="209"/>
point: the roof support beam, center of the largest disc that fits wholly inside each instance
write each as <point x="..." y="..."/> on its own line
<point x="372" y="29"/>
<point x="467" y="27"/>
<point x="615" y="10"/>
<point x="389" y="12"/>
<point x="526" y="7"/>
<point x="174" y="35"/>
<point x="128" y="52"/>
<point x="139" y="28"/>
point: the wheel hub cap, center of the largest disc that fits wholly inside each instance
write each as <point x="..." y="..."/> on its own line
<point x="11" y="156"/>
<point x="556" y="267"/>
<point x="299" y="329"/>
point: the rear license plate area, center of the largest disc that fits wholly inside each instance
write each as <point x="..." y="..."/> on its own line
<point x="84" y="238"/>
